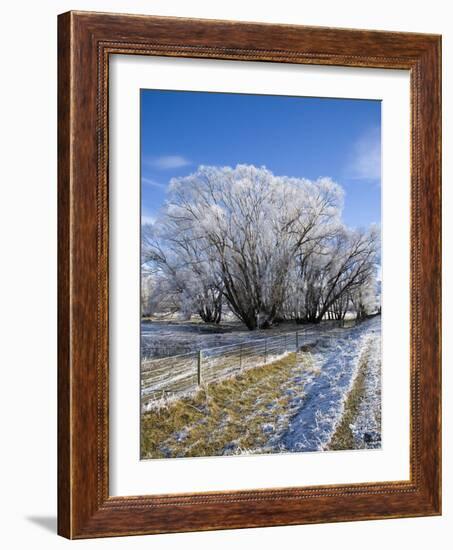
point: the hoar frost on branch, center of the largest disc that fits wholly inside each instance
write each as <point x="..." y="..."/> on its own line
<point x="264" y="246"/>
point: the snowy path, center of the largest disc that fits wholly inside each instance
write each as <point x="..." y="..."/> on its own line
<point x="367" y="426"/>
<point x="325" y="389"/>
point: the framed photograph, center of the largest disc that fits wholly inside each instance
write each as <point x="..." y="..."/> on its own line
<point x="249" y="275"/>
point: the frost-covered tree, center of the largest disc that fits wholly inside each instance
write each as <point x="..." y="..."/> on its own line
<point x="328" y="274"/>
<point x="340" y="307"/>
<point x="365" y="300"/>
<point x="146" y="292"/>
<point x="182" y="274"/>
<point x="248" y="226"/>
<point x="263" y="246"/>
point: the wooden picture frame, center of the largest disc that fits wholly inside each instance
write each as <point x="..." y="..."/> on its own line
<point x="85" y="42"/>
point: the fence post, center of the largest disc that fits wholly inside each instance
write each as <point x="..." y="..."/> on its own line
<point x="265" y="350"/>
<point x="286" y="347"/>
<point x="200" y="360"/>
<point x="297" y="341"/>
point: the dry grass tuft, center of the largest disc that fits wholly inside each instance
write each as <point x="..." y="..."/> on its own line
<point x="221" y="418"/>
<point x="343" y="438"/>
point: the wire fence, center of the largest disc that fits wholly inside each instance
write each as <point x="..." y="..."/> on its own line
<point x="180" y="374"/>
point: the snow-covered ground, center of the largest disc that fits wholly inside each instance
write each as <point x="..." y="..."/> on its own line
<point x="317" y="385"/>
<point x="325" y="388"/>
<point x="367" y="426"/>
<point x="163" y="339"/>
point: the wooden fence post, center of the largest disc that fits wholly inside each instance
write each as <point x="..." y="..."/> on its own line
<point x="297" y="341"/>
<point x="200" y="360"/>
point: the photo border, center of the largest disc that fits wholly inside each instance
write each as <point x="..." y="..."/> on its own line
<point x="127" y="474"/>
<point x="85" y="41"/>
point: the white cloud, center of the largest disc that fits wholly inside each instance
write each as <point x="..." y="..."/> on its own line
<point x="147" y="216"/>
<point x="167" y="162"/>
<point x="365" y="160"/>
<point x="153" y="183"/>
<point x="147" y="219"/>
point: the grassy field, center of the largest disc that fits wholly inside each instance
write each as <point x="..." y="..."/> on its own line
<point x="231" y="416"/>
<point x="324" y="397"/>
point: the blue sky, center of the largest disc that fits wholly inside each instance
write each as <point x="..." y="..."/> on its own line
<point x="291" y="136"/>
